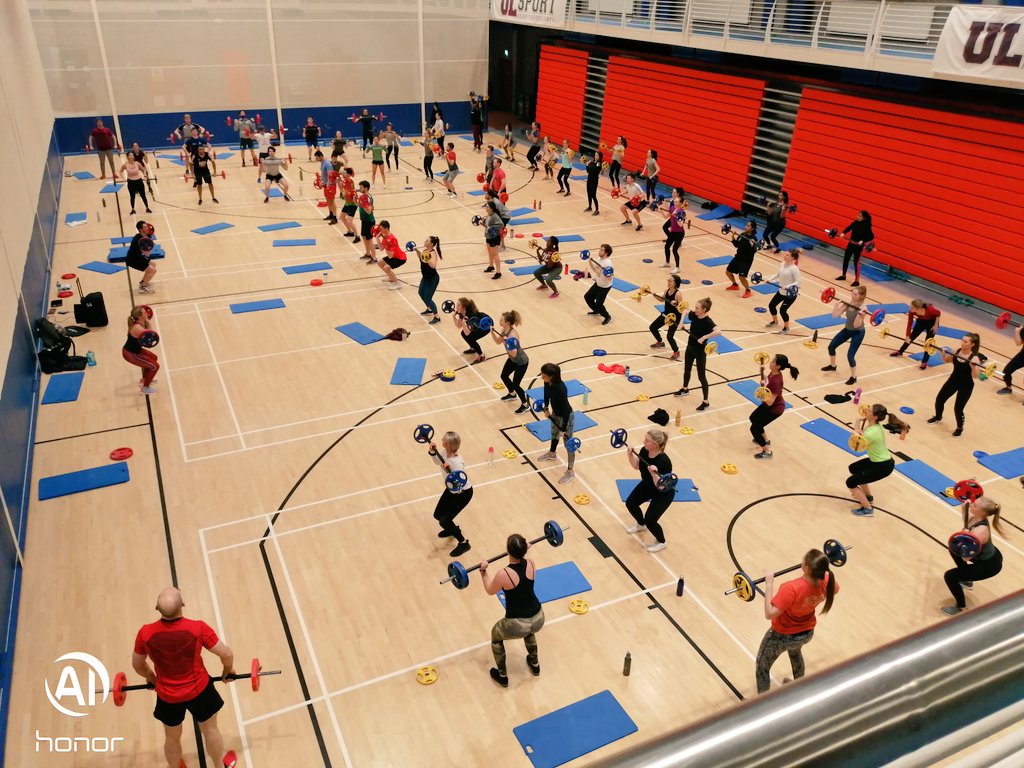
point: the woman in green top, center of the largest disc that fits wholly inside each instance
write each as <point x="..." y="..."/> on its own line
<point x="877" y="465"/>
<point x="378" y="161"/>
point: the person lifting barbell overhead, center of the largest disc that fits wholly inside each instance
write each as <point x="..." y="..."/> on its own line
<point x="550" y="265"/>
<point x="593" y="170"/>
<point x="473" y="325"/>
<point x="492" y="224"/>
<point x="776" y="220"/>
<point x="745" y="244"/>
<point x="604" y="278"/>
<point x="618" y="153"/>
<point x="458" y="491"/>
<point x="651" y="172"/>
<point x="201" y="165"/>
<point x="791" y="612"/>
<point x="366" y="121"/>
<point x="175" y="646"/>
<point x="187" y="129"/>
<point x="702" y="329"/>
<point x="788" y="280"/>
<point x="980" y="515"/>
<point x="670" y="318"/>
<point x="772" y="403"/>
<point x="1017" y="361"/>
<point x="524" y="615"/>
<point x="674" y="226"/>
<point x="966" y="362"/>
<point x="922" y="318"/>
<point x="562" y="418"/>
<point x="635" y="202"/>
<point x="140" y="255"/>
<point x="429" y="257"/>
<point x="878" y="464"/>
<point x="655" y="465"/>
<point x="516" y="360"/>
<point x="852" y="331"/>
<point x="136" y="347"/>
<point x="273" y="167"/>
<point x="860" y="234"/>
<point x="264" y="141"/>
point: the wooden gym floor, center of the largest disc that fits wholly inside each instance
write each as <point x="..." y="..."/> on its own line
<point x="275" y="480"/>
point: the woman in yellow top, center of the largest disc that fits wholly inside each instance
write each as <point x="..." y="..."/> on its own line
<point x="877" y="465"/>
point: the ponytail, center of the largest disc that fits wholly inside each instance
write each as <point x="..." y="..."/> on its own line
<point x="436" y="242"/>
<point x="818" y="565"/>
<point x="783" y="362"/>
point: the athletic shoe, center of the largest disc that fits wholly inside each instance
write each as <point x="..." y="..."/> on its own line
<point x="855" y="284"/>
<point x="606" y="320"/>
<point x="923" y="366"/>
<point x="479" y="359"/>
<point x="148" y="211"/>
<point x="851" y="381"/>
<point x="704" y="406"/>
<point x="523" y="408"/>
<point x="682" y="392"/>
<point x="746" y="294"/>
<point x="146" y="289"/>
<point x="593" y="313"/>
<point x="444" y="535"/>
<point x="332" y="221"/>
<point x="967" y="584"/>
<point x="897" y="353"/>
<point x="554" y="295"/>
<point x="733" y="287"/>
<point x="639" y="227"/>
<point x="626" y="223"/>
<point x="637" y="528"/>
<point x="569" y="475"/>
<point x="958" y="431"/>
<point x="435" y="321"/>
<point x="427" y="312"/>
<point x="863" y="512"/>
<point x="266" y="199"/>
<point x="783" y="330"/>
<point x="841" y="277"/>
<point x="772" y="324"/>
<point x="652" y="548"/>
<point x="215" y="200"/>
<point x="462" y="548"/>
<point x="200" y="202"/>
<point x="499" y="678"/>
<point x="541" y="287"/>
<point x="1005" y="391"/>
<point x="666" y="265"/>
<point x="658" y="345"/>
<point x="596" y="213"/>
<point x="489" y="269"/>
<point x="131" y="212"/>
<point x="394" y="286"/>
<point x="828" y="368"/>
<point x="763" y="455"/>
<point x="674" y="355"/>
<point x="951" y="610"/>
<point x="549" y="456"/>
<point x="496" y="276"/>
<point x="588" y="209"/>
<point x="469" y="352"/>
<point x="509" y="396"/>
<point x="934" y="419"/>
<point x="534" y="668"/>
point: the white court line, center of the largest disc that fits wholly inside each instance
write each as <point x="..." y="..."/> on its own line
<point x="174" y="242"/>
<point x="220" y="377"/>
<point x="168" y="379"/>
<point x="447" y="656"/>
<point x="222" y="629"/>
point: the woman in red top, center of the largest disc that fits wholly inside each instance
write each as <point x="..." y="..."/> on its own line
<point x="791" y="613"/>
<point x="922" y="318"/>
<point x="772" y="406"/>
<point x="394" y="258"/>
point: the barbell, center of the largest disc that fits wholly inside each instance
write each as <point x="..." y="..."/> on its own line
<point x="832" y="233"/>
<point x="877" y="317"/>
<point x="484" y="323"/>
<point x="791" y="208"/>
<point x="120" y="688"/>
<point x="1006" y="319"/>
<point x="792" y="290"/>
<point x="458" y="574"/>
<point x="665" y="482"/>
<point x="931" y="347"/>
<point x="743" y="585"/>
<point x="964" y="545"/>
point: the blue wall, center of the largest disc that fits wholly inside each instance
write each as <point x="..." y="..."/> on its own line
<point x="152" y="130"/>
<point x="17" y="410"/>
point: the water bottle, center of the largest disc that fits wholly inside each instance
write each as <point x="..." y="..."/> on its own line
<point x="90" y="357"/>
<point x="586" y="397"/>
<point x="627" y="371"/>
<point x="679" y="418"/>
<point x="490" y="455"/>
<point x="626" y="663"/>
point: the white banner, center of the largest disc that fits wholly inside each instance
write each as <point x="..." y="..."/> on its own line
<point x="543" y="13"/>
<point x="982" y="43"/>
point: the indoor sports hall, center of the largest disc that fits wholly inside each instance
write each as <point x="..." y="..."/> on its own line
<point x="524" y="382"/>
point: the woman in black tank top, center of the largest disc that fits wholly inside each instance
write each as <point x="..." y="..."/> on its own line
<point x="961" y="381"/>
<point x="979" y="517"/>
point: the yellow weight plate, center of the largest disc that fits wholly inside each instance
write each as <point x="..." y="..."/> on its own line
<point x="744" y="588"/>
<point x="811" y="344"/>
<point x="497" y="385"/>
<point x="762" y="393"/>
<point x="579" y="607"/>
<point x="510" y="454"/>
<point x="858" y="443"/>
<point x="711" y="347"/>
<point x="426" y="675"/>
<point x="864" y="409"/>
<point x="581" y="498"/>
<point x="643" y="398"/>
<point x="761" y="358"/>
<point x="729" y="469"/>
<point x="884" y="331"/>
<point x="686" y="430"/>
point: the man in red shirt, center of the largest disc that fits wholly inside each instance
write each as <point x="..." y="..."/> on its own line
<point x="394" y="255"/>
<point x="102" y="139"/>
<point x="175" y="644"/>
<point x="498" y="177"/>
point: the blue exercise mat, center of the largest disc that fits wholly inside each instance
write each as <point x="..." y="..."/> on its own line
<point x="225" y="155"/>
<point x="404" y="143"/>
<point x="122" y="240"/>
<point x="571" y="238"/>
<point x="789" y="245"/>
<point x="275" y="192"/>
<point x="575" y="730"/>
<point x="74" y="218"/>
<point x="83" y="175"/>
<point x="409" y="371"/>
<point x="359" y="332"/>
<point x="928" y="478"/>
<point x="717" y="213"/>
<point x="579" y="178"/>
<point x="527" y="270"/>
<point x="278" y="225"/>
<point x="950" y="333"/>
<point x="256" y="306"/>
<point x="715" y="261"/>
<point x="933" y="360"/>
<point x="573" y="388"/>
<point x="111" y="189"/>
<point x="725" y="346"/>
<point x="476" y="192"/>
<point x="746" y="388"/>
<point x="83" y="480"/>
<point x="103" y="267"/>
<point x="542" y="429"/>
<point x="294" y="243"/>
<point x="897" y="308"/>
<point x="624" y="286"/>
<point x="1009" y="464"/>
<point x="685" y="489"/>
<point x="764" y="288"/>
<point x="525" y="211"/>
<point x="818" y="322"/>
<point x="556" y="582"/>
<point x="210" y="228"/>
<point x="120" y="252"/>
<point x="833" y="433"/>
<point x="298" y="269"/>
<point x="524" y="222"/>
<point x="63" y="388"/>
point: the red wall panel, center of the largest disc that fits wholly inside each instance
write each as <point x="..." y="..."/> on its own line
<point x="563" y="79"/>
<point x="701" y="123"/>
<point x="945" y="190"/>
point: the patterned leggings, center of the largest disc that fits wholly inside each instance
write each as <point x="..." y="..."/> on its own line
<point x="510" y="629"/>
<point x="772" y="646"/>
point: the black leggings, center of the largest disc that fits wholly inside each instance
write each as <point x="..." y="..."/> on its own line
<point x="613" y="172"/>
<point x="387" y="155"/>
<point x="448" y="508"/>
<point x="927" y="327"/>
<point x="660" y="501"/>
<point x="367" y="139"/>
<point x="137" y="187"/>
<point x="962" y="390"/>
<point x="672" y="242"/>
<point x="976" y="571"/>
<point x="866" y="471"/>
<point x="772" y="232"/>
<point x="595" y="298"/>
<point x="699" y="356"/>
<point x="1012" y="367"/>
<point x="473" y="339"/>
<point x="428" y="166"/>
<point x="531" y="155"/>
<point x="563" y="178"/>
<point x="670" y="331"/>
<point x="782" y="303"/>
<point x="512" y="377"/>
<point x="652" y="186"/>
<point x="853" y="251"/>
<point x="592" y="196"/>
<point x="761" y="417"/>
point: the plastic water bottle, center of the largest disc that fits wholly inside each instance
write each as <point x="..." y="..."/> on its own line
<point x="586" y="397"/>
<point x="627" y="371"/>
<point x="490" y="455"/>
<point x="626" y="664"/>
<point x="90" y="357"/>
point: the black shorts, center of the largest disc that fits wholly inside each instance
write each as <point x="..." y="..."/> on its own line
<point x="203" y="707"/>
<point x="203" y="177"/>
<point x="247" y="144"/>
<point x="493" y="242"/>
<point x="349" y="208"/>
<point x="365" y="228"/>
<point x="866" y="471"/>
<point x="140" y="263"/>
<point x="392" y="262"/>
<point x="378" y="162"/>
<point x="740" y="266"/>
<point x="311" y="142"/>
<point x="275" y="177"/>
<point x="638" y="207"/>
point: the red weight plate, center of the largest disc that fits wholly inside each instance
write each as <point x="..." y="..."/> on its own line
<point x="537" y="234"/>
<point x="120" y="680"/>
<point x="520" y="236"/>
<point x="120" y="454"/>
<point x="316" y="283"/>
<point x="255" y="674"/>
<point x="828" y="294"/>
<point x="1001" y="322"/>
<point x="64" y="294"/>
<point x="322" y="204"/>
<point x="71" y="276"/>
<point x="147" y="309"/>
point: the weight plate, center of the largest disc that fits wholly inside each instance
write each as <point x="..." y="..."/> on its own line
<point x="426" y="675"/>
<point x="579" y="607"/>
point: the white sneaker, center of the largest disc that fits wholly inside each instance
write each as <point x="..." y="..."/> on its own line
<point x="636" y="529"/>
<point x="394" y="286"/>
<point x="568" y="476"/>
<point x="675" y="271"/>
<point x="547" y="457"/>
<point x="663" y="266"/>
<point x="657" y="547"/>
<point x="146" y="289"/>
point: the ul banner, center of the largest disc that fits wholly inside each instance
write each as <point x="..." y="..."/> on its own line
<point x="982" y="43"/>
<point x="545" y="13"/>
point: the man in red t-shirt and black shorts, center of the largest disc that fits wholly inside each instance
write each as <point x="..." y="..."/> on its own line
<point x="349" y="208"/>
<point x="175" y="644"/>
<point x="394" y="255"/>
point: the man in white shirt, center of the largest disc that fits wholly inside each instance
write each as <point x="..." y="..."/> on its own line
<point x="635" y="201"/>
<point x="603" y="279"/>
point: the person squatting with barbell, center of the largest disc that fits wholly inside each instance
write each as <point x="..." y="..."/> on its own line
<point x="140" y="254"/>
<point x="852" y="330"/>
<point x="746" y="248"/>
<point x="974" y="554"/>
<point x="670" y="318"/>
<point x="136" y="347"/>
<point x="562" y="418"/>
<point x="788" y="281"/>
<point x="516" y="360"/>
<point x="472" y="324"/>
<point x="458" y="491"/>
<point x="878" y="464"/>
<point x="657" y="484"/>
<point x="550" y="264"/>
<point x="860" y="237"/>
<point x="772" y="403"/>
<point x="966" y="362"/>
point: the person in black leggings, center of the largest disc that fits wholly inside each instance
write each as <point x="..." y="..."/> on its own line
<point x="430" y="256"/>
<point x="429" y="146"/>
<point x="1015" y="364"/>
<point x="860" y="234"/>
<point x="674" y="227"/>
<point x="788" y="279"/>
<point x="961" y="381"/>
<point x="563" y="158"/>
<point x="593" y="176"/>
<point x="922" y="318"/>
<point x="671" y="299"/>
<point x="651" y="172"/>
<point x="772" y="406"/>
<point x="467" y="319"/>
<point x="776" y="220"/>
<point x="651" y="461"/>
<point x="517" y="361"/>
<point x="533" y="136"/>
<point x="451" y="502"/>
<point x="560" y="414"/>
<point x="702" y="328"/>
<point x="979" y="516"/>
